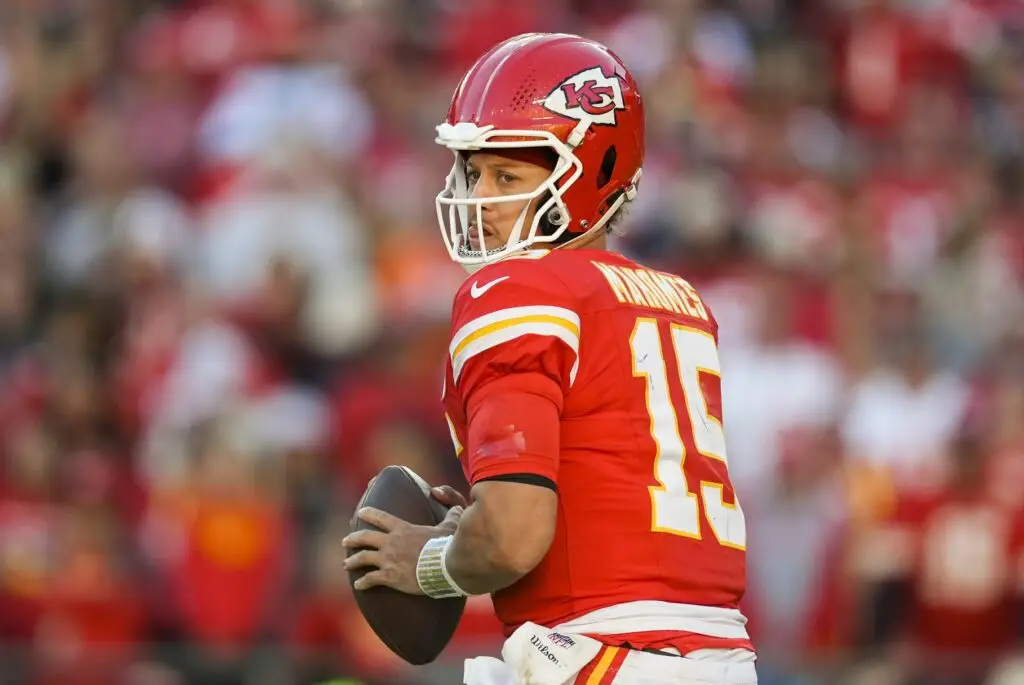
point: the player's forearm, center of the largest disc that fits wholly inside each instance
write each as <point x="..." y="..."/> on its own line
<point x="503" y="536"/>
<point x="480" y="560"/>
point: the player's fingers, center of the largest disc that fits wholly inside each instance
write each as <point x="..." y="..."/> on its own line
<point x="367" y="557"/>
<point x="381" y="519"/>
<point x="448" y="496"/>
<point x="371" y="579"/>
<point x="451" y="519"/>
<point x="364" y="538"/>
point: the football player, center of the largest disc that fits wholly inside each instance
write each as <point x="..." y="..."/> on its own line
<point x="583" y="393"/>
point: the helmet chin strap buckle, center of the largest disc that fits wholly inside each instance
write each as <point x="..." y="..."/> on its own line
<point x="630" y="190"/>
<point x="576" y="137"/>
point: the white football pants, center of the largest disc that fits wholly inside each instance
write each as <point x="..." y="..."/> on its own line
<point x="535" y="655"/>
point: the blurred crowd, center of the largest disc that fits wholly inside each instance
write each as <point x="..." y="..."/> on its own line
<point x="224" y="306"/>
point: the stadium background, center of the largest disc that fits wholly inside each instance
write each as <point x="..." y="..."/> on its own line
<point x="224" y="302"/>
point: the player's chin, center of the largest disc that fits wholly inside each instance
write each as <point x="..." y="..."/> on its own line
<point x="471" y="248"/>
<point x="473" y="243"/>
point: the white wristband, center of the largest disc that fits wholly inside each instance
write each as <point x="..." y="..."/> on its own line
<point x="432" y="572"/>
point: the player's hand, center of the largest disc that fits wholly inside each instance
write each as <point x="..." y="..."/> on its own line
<point x="449" y="496"/>
<point x="394" y="550"/>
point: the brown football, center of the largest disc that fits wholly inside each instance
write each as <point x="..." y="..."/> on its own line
<point x="415" y="627"/>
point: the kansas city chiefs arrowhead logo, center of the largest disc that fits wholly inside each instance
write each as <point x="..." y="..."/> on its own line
<point x="587" y="95"/>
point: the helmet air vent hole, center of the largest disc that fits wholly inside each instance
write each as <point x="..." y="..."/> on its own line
<point x="607" y="168"/>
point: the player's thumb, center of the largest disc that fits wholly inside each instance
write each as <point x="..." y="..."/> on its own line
<point x="448" y="496"/>
<point x="451" y="519"/>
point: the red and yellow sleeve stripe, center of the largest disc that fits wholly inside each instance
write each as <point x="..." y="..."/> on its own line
<point x="504" y="325"/>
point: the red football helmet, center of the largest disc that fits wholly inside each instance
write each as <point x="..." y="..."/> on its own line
<point x="552" y="90"/>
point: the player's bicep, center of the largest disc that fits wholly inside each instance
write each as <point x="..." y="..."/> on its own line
<point x="513" y="431"/>
<point x="514" y="357"/>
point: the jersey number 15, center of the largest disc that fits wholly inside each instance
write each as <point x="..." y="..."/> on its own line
<point x="675" y="507"/>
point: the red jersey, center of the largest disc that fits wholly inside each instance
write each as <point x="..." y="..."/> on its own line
<point x="966" y="556"/>
<point x="647" y="512"/>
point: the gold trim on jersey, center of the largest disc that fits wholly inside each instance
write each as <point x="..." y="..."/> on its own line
<point x="455" y="438"/>
<point x="501" y="326"/>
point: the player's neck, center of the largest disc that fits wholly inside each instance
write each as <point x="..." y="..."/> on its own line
<point x="595" y="240"/>
<point x="598" y="242"/>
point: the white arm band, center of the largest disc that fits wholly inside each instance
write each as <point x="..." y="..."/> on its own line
<point x="432" y="572"/>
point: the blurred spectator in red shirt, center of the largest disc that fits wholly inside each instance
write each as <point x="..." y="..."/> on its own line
<point x="92" y="624"/>
<point x="947" y="576"/>
<point x="223" y="545"/>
